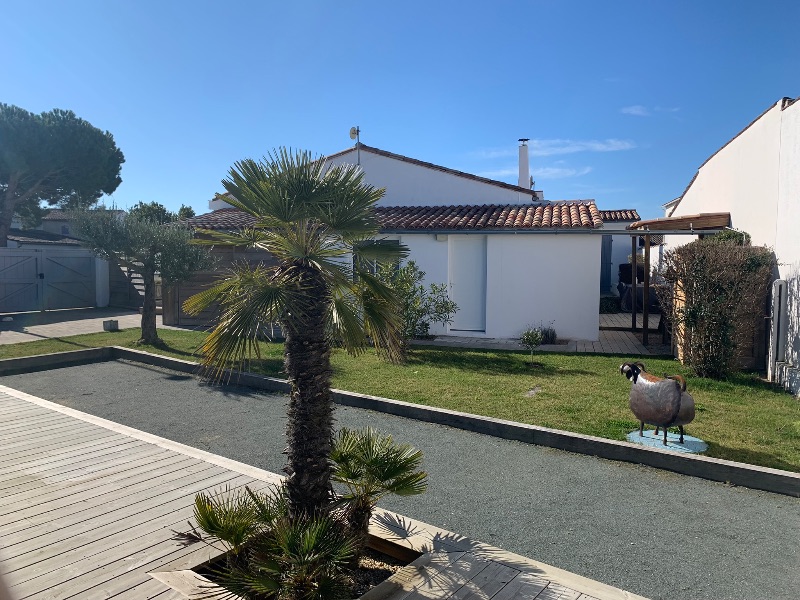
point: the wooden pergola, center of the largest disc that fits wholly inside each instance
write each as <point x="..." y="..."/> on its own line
<point x="700" y="225"/>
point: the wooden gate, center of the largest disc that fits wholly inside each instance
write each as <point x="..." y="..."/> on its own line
<point x="69" y="279"/>
<point x="20" y="283"/>
<point x="33" y="280"/>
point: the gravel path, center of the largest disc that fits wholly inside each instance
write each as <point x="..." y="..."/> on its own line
<point x="655" y="533"/>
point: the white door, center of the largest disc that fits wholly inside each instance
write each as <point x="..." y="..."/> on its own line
<point x="467" y="273"/>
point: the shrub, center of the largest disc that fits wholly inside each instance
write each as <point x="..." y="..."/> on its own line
<point x="714" y="300"/>
<point x="371" y="465"/>
<point x="421" y="305"/>
<point x="531" y="339"/>
<point x="549" y="335"/>
<point x="272" y="554"/>
<point x="731" y="237"/>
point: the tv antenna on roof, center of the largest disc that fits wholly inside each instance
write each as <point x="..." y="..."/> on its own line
<point x="355" y="134"/>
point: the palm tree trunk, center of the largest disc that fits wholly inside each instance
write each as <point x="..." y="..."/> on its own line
<point x="309" y="429"/>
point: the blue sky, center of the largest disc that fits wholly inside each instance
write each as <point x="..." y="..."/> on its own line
<point x="623" y="100"/>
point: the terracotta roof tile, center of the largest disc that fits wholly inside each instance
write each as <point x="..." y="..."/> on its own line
<point x="562" y="214"/>
<point x="569" y="214"/>
<point x="37" y="236"/>
<point x="226" y="219"/>
<point x="624" y="214"/>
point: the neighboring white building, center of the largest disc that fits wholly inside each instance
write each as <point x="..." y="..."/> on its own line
<point x="756" y="178"/>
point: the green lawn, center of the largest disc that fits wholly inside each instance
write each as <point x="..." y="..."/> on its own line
<point x="743" y="419"/>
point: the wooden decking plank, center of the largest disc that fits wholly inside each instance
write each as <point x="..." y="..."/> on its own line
<point x="190" y="585"/>
<point x="486" y="583"/>
<point x="102" y="525"/>
<point x="119" y="572"/>
<point x="110" y="503"/>
<point x="27" y="489"/>
<point x="50" y="427"/>
<point x="64" y="511"/>
<point x="92" y="556"/>
<point x="27" y="421"/>
<point x="147" y="589"/>
<point x="58" y="500"/>
<point x="61" y="451"/>
<point x="64" y="437"/>
<point x="47" y="461"/>
<point x="75" y="463"/>
<point x="444" y="583"/>
<point x="109" y="560"/>
<point x="30" y="551"/>
<point x="78" y="436"/>
<point x="523" y="587"/>
<point x="554" y="591"/>
<point x="62" y="456"/>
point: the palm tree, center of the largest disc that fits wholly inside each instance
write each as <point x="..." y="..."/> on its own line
<point x="318" y="222"/>
<point x="370" y="466"/>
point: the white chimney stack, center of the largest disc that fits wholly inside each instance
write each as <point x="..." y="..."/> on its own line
<point x="524" y="165"/>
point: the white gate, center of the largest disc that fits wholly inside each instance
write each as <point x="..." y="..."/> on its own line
<point x="46" y="279"/>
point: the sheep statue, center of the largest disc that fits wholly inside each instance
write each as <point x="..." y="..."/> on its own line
<point x="656" y="401"/>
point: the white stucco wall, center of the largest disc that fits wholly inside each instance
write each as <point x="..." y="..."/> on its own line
<point x="531" y="279"/>
<point x="742" y="179"/>
<point x="756" y="178"/>
<point x="787" y="237"/>
<point x="408" y="184"/>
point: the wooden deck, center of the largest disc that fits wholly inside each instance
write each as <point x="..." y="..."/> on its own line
<point x="90" y="509"/>
<point x="622" y="321"/>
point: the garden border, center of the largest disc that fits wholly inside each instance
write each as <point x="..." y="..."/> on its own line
<point x="714" y="469"/>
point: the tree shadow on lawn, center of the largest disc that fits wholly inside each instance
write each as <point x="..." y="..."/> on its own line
<point x="750" y="457"/>
<point x="489" y="363"/>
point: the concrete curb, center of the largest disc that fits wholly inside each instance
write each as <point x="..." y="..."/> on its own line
<point x="714" y="469"/>
<point x="42" y="362"/>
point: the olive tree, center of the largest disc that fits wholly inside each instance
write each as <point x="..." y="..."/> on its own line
<point x="145" y="247"/>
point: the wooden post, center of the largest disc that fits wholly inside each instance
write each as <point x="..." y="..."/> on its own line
<point x="646" y="292"/>
<point x="633" y="282"/>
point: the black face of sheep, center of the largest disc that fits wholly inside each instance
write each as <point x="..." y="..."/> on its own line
<point x="662" y="402"/>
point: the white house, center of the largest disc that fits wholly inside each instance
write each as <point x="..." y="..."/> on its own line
<point x="510" y="258"/>
<point x="756" y="178"/>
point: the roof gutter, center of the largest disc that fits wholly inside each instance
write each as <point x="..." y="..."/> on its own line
<point x="550" y="231"/>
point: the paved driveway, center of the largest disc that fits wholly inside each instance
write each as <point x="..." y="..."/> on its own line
<point x="654" y="533"/>
<point x="33" y="326"/>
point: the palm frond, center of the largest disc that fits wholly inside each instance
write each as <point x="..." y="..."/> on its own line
<point x="380" y="251"/>
<point x="346" y="325"/>
<point x="227" y="516"/>
<point x="250" y="302"/>
<point x="372" y="465"/>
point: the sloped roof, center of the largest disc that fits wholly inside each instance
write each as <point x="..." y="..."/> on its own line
<point x="224" y="219"/>
<point x="59" y="214"/>
<point x="571" y="214"/>
<point x="550" y="215"/>
<point x="688" y="222"/>
<point x="427" y="165"/>
<point x="623" y="214"/>
<point x="36" y="236"/>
